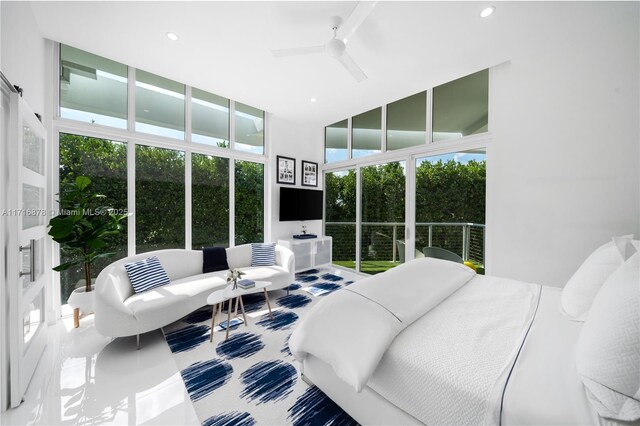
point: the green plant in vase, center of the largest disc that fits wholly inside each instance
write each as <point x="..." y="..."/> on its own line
<point x="84" y="228"/>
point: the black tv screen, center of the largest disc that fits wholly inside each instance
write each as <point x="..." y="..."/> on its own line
<point x="300" y="204"/>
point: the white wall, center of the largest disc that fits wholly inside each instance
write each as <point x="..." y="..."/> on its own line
<point x="302" y="143"/>
<point x="22" y="52"/>
<point x="563" y="169"/>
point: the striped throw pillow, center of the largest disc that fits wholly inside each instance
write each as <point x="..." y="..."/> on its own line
<point x="146" y="274"/>
<point x="263" y="254"/>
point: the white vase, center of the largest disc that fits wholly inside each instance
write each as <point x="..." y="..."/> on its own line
<point x="81" y="301"/>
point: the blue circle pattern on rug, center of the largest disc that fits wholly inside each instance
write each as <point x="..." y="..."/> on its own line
<point x="313" y="407"/>
<point x="293" y="301"/>
<point x="187" y="338"/>
<point x="329" y="287"/>
<point x="331" y="277"/>
<point x="268" y="381"/>
<point x="253" y="302"/>
<point x="241" y="345"/>
<point x="307" y="278"/>
<point x="203" y="377"/>
<point x="281" y="320"/>
<point x="230" y="419"/>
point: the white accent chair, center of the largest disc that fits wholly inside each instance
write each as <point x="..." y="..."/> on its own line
<point x="120" y="312"/>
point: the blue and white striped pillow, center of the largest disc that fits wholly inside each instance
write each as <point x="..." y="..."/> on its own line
<point x="146" y="274"/>
<point x="263" y="254"/>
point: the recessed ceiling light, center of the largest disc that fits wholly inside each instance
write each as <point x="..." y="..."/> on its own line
<point x="487" y="11"/>
<point x="172" y="36"/>
<point x="313" y="99"/>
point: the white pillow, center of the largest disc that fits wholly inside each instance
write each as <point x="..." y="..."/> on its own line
<point x="608" y="349"/>
<point x="582" y="287"/>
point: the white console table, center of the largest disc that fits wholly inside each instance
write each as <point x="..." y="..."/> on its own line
<point x="309" y="253"/>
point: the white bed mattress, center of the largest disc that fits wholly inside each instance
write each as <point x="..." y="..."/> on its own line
<point x="450" y="366"/>
<point x="436" y="371"/>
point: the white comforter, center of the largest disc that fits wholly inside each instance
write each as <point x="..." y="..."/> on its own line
<point x="351" y="329"/>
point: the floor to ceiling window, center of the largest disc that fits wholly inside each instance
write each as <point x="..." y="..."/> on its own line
<point x="160" y="199"/>
<point x="402" y="187"/>
<point x="249" y="202"/>
<point x="450" y="204"/>
<point x="209" y="201"/>
<point x="174" y="179"/>
<point x="105" y="163"/>
<point x="340" y="215"/>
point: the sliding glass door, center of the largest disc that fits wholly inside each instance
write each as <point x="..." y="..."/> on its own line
<point x="450" y="206"/>
<point x="382" y="215"/>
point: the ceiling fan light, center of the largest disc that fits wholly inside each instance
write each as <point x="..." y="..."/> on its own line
<point x="335" y="48"/>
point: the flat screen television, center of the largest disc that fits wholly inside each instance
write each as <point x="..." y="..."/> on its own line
<point x="300" y="204"/>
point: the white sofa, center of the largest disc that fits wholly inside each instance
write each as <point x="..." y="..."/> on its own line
<point x="120" y="312"/>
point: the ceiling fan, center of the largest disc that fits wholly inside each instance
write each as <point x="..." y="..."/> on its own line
<point x="337" y="46"/>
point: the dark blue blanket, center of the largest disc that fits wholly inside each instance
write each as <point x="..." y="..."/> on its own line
<point x="214" y="259"/>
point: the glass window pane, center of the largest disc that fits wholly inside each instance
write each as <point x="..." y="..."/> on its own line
<point x="336" y="144"/>
<point x="249" y="196"/>
<point x="450" y="204"/>
<point x="159" y="105"/>
<point x="210" y="118"/>
<point x="105" y="163"/>
<point x="366" y="135"/>
<point x="461" y="107"/>
<point x="383" y="213"/>
<point x="249" y="129"/>
<point x="407" y="122"/>
<point x="209" y="201"/>
<point x="92" y="89"/>
<point x="340" y="208"/>
<point x="159" y="199"/>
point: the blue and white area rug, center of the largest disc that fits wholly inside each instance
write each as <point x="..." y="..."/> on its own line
<point x="252" y="378"/>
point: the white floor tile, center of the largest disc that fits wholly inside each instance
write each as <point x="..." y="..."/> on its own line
<point x="87" y="379"/>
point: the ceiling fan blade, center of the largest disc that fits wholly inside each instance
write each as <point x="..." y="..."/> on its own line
<point x="351" y="66"/>
<point x="297" y="51"/>
<point x="362" y="10"/>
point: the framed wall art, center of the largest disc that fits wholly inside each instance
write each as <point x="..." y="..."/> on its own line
<point x="286" y="170"/>
<point x="309" y="173"/>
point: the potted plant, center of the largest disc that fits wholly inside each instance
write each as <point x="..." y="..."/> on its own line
<point x="83" y="229"/>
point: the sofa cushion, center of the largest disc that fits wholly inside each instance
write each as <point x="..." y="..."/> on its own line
<point x="146" y="274"/>
<point x="181" y="296"/>
<point x="264" y="273"/>
<point x="263" y="254"/>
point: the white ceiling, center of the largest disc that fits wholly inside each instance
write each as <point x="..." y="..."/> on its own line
<point x="225" y="47"/>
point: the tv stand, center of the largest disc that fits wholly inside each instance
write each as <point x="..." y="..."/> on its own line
<point x="309" y="253"/>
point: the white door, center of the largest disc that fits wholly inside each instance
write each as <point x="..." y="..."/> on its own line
<point x="27" y="219"/>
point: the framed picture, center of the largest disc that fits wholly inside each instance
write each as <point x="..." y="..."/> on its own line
<point x="309" y="173"/>
<point x="286" y="170"/>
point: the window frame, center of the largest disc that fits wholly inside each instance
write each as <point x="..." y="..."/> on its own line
<point x="133" y="138"/>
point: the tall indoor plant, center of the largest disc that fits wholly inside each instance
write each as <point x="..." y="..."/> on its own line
<point x="84" y="227"/>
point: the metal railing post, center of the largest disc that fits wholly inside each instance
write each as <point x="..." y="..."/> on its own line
<point x="393" y="243"/>
<point x="430" y="234"/>
<point x="464" y="241"/>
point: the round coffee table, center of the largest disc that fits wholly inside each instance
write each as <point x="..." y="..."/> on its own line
<point x="216" y="299"/>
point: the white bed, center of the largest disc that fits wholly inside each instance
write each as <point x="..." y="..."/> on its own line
<point x="488" y="351"/>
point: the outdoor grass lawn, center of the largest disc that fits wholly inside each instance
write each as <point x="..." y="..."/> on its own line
<point x="377" y="266"/>
<point x="367" y="266"/>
